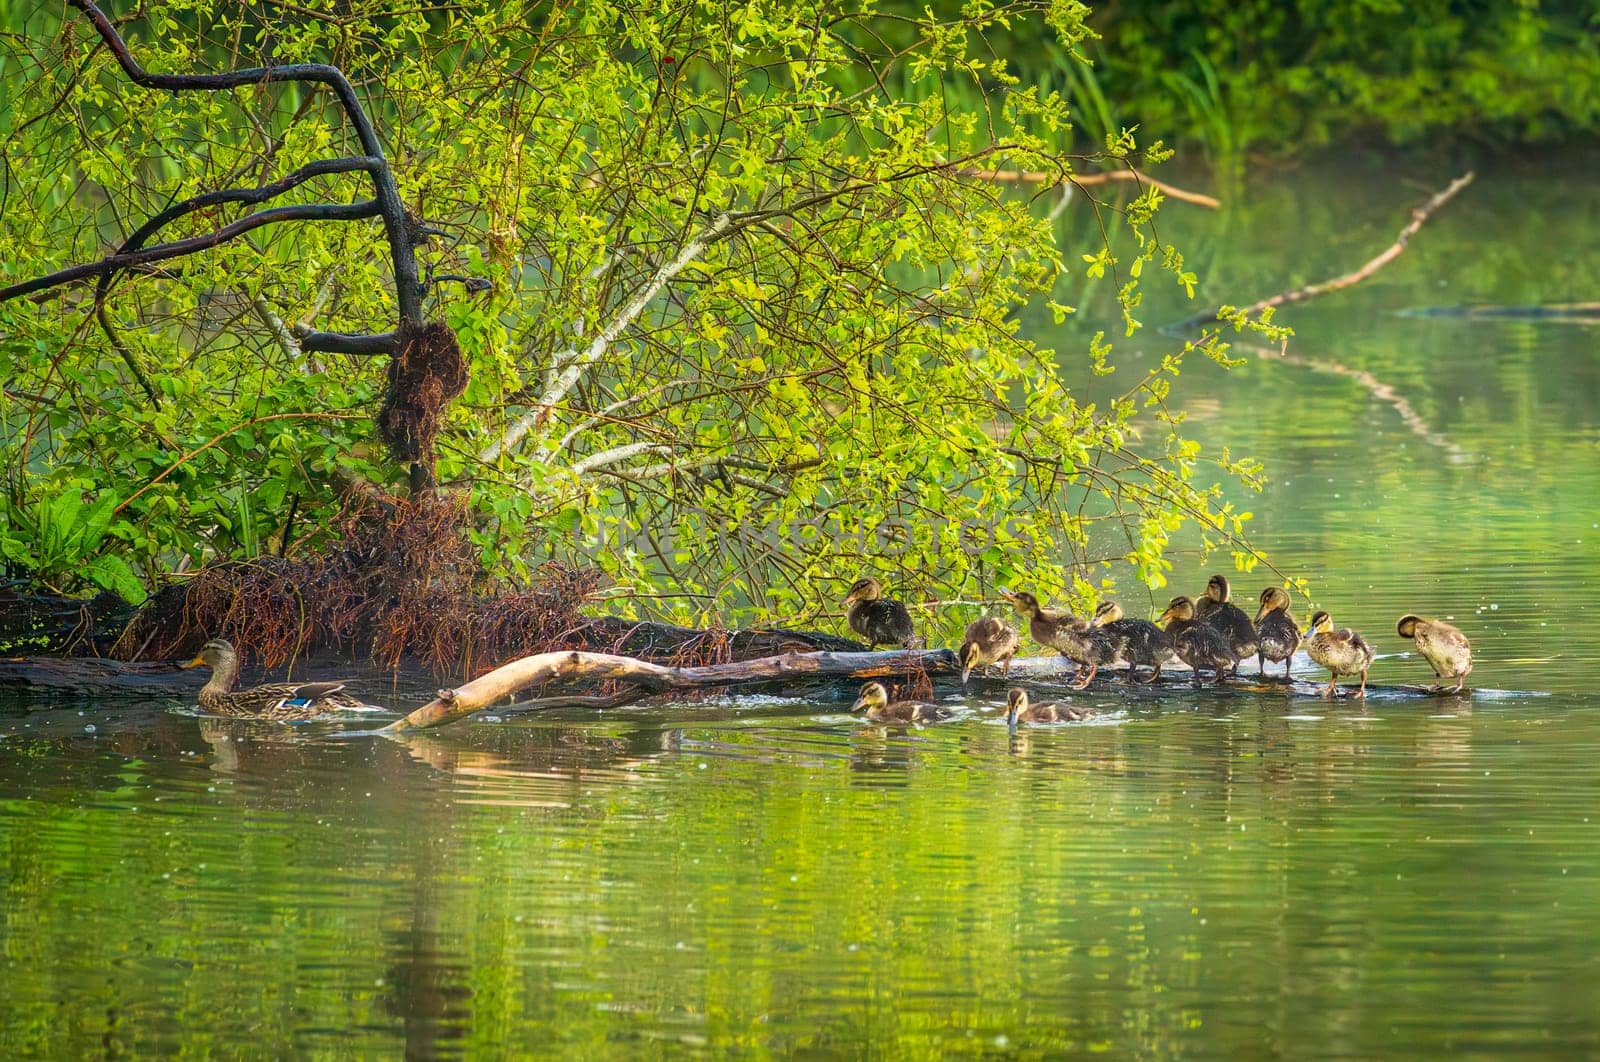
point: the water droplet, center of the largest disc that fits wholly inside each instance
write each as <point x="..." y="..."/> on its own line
<point x="89" y="729"/>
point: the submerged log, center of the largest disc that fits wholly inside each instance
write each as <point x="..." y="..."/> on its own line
<point x="97" y="675"/>
<point x="485" y="691"/>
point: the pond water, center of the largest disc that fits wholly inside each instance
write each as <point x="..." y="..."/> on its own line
<point x="1214" y="874"/>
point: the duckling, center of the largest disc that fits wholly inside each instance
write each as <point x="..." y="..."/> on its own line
<point x="1279" y="634"/>
<point x="1146" y="643"/>
<point x="1197" y="644"/>
<point x="1088" y="647"/>
<point x="1342" y="652"/>
<point x="1215" y="608"/>
<point x="1018" y="710"/>
<point x="988" y="641"/>
<point x="282" y="701"/>
<point x="878" y="619"/>
<point x="1444" y="647"/>
<point x="874" y="699"/>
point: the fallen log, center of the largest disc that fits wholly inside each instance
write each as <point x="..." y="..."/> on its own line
<point x="97" y="675"/>
<point x="483" y="692"/>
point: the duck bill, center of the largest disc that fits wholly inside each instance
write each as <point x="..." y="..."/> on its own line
<point x="1009" y="595"/>
<point x="1262" y="612"/>
<point x="198" y="661"/>
<point x="861" y="702"/>
<point x="1164" y="617"/>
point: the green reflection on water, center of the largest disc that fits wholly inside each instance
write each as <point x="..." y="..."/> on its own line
<point x="1196" y="876"/>
<point x="1216" y="875"/>
<point x="1492" y="520"/>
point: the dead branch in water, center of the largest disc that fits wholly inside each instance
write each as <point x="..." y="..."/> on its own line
<point x="1090" y="180"/>
<point x="484" y="692"/>
<point x="1419" y="217"/>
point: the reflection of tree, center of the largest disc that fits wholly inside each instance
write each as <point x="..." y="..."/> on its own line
<point x="1383" y="392"/>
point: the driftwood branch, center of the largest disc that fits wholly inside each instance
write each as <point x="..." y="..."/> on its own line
<point x="1419" y="217"/>
<point x="483" y="692"/>
<point x="1090" y="180"/>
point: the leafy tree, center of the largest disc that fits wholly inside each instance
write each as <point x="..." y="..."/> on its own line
<point x="740" y="316"/>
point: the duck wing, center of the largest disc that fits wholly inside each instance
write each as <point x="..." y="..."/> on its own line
<point x="1236" y="627"/>
<point x="883" y="621"/>
<point x="1278" y="636"/>
<point x="1145" y="642"/>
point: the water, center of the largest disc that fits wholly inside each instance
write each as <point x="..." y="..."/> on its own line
<point x="1212" y="875"/>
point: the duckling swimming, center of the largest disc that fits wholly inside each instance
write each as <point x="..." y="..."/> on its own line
<point x="1018" y="710"/>
<point x="1278" y="634"/>
<point x="988" y="641"/>
<point x="1444" y="647"/>
<point x="1197" y="644"/>
<point x="878" y="619"/>
<point x="1342" y="652"/>
<point x="1088" y="647"/>
<point x="874" y="700"/>
<point x="1216" y="608"/>
<point x="1144" y="642"/>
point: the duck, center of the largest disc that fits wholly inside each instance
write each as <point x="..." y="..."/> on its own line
<point x="1018" y="710"/>
<point x="1197" y="644"/>
<point x="1146" y="643"/>
<point x="874" y="700"/>
<point x="1216" y="608"/>
<point x="878" y="619"/>
<point x="1279" y="635"/>
<point x="1444" y="647"/>
<point x="988" y="641"/>
<point x="1071" y="636"/>
<point x="281" y="701"/>
<point x="1342" y="652"/>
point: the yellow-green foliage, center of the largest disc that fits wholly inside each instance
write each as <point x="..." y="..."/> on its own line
<point x="752" y="325"/>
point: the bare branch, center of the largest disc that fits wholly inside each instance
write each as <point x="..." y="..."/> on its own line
<point x="1419" y="216"/>
<point x="569" y="365"/>
<point x="408" y="291"/>
<point x="178" y="248"/>
<point x="616" y="454"/>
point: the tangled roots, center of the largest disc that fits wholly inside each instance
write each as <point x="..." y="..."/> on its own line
<point x="399" y="582"/>
<point x="425" y="373"/>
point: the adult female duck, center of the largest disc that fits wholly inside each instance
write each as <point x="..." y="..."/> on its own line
<point x="283" y="701"/>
